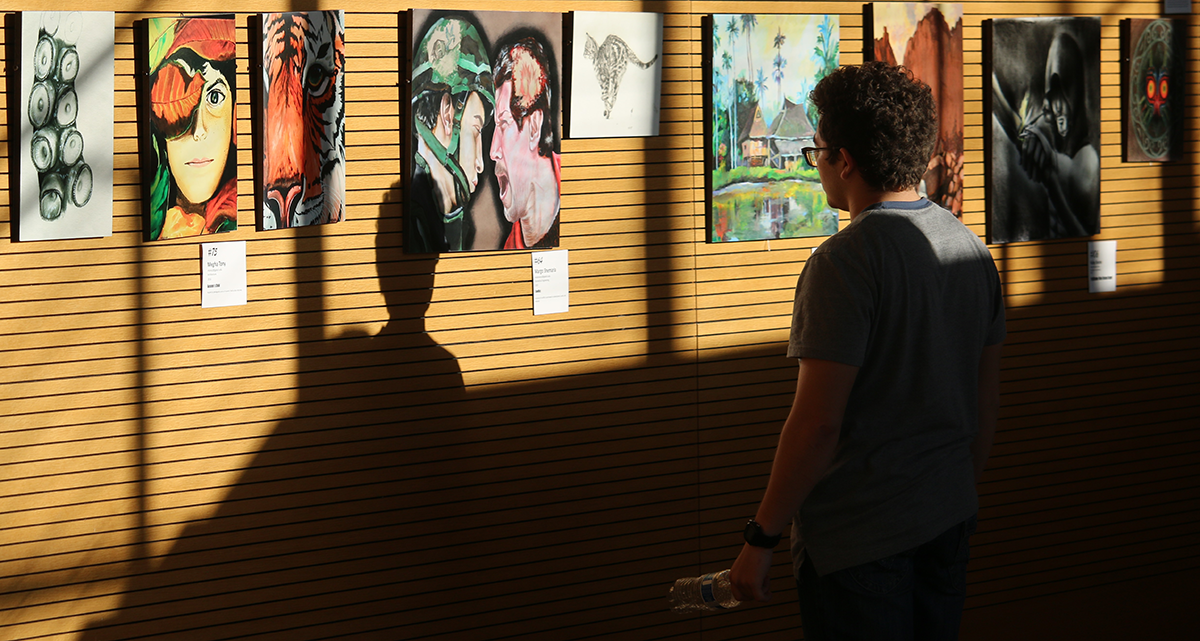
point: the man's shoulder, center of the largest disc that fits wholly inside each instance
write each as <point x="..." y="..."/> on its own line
<point x="868" y="225"/>
<point x="929" y="220"/>
<point x="885" y="236"/>
<point x="921" y="208"/>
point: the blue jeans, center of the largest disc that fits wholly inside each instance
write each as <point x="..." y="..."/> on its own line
<point x="916" y="595"/>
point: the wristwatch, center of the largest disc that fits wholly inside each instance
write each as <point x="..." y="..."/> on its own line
<point x="755" y="536"/>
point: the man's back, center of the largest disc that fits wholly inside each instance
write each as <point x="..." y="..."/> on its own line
<point x="910" y="296"/>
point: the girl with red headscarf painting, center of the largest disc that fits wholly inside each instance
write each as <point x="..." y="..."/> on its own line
<point x="192" y="71"/>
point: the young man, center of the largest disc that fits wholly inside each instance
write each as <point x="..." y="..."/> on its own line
<point x="898" y="322"/>
<point x="528" y="169"/>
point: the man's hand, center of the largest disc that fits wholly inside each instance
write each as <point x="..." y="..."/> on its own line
<point x="750" y="574"/>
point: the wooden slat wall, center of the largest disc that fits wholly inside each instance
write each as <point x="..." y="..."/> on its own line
<point x="381" y="446"/>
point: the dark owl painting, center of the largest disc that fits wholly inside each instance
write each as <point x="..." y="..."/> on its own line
<point x="1152" y="80"/>
<point x="1044" y="165"/>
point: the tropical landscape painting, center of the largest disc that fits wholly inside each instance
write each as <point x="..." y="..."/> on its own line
<point x="763" y="67"/>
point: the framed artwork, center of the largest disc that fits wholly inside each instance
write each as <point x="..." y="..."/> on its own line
<point x="763" y="67"/>
<point x="66" y="121"/>
<point x="484" y="170"/>
<point x="1152" y="96"/>
<point x="616" y="74"/>
<point x="1044" y="160"/>
<point x="927" y="38"/>
<point x="303" y="119"/>
<point x="191" y="126"/>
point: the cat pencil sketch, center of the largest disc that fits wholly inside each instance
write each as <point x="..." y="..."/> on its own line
<point x="610" y="60"/>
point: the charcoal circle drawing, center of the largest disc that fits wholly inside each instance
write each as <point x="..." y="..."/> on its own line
<point x="57" y="147"/>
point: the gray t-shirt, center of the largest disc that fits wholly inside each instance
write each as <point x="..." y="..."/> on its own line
<point x="911" y="296"/>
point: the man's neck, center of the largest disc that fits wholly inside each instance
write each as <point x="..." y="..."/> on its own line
<point x="862" y="199"/>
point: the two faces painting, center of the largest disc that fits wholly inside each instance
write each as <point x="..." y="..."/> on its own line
<point x="485" y="165"/>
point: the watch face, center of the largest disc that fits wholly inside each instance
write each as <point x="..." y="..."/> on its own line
<point x="755" y="536"/>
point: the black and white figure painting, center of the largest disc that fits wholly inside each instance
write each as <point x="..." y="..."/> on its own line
<point x="66" y="116"/>
<point x="1045" y="129"/>
<point x="616" y="74"/>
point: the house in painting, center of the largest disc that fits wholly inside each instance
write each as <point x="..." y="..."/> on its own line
<point x="790" y="133"/>
<point x="753" y="141"/>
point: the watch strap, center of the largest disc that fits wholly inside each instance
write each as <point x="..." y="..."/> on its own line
<point x="755" y="536"/>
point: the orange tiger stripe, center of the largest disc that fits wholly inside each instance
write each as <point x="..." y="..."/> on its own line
<point x="294" y="120"/>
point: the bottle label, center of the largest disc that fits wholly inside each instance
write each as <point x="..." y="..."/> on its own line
<point x="706" y="590"/>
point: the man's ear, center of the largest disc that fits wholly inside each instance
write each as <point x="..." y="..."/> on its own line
<point x="848" y="164"/>
<point x="533" y="128"/>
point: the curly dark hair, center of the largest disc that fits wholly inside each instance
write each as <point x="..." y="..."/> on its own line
<point x="884" y="117"/>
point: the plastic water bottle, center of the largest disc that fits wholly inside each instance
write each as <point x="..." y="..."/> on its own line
<point x="698" y="593"/>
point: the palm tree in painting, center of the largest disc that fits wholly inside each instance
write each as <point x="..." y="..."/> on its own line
<point x="825" y="54"/>
<point x="716" y="76"/>
<point x="727" y="65"/>
<point x="731" y="30"/>
<point x="760" y="85"/>
<point x="780" y="63"/>
<point x="717" y="84"/>
<point x="826" y="51"/>
<point x="749" y="22"/>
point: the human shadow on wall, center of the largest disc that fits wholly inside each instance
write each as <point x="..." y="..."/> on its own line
<point x="330" y="493"/>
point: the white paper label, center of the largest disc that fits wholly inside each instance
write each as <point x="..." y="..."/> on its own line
<point x="551" y="286"/>
<point x="223" y="274"/>
<point x="1102" y="266"/>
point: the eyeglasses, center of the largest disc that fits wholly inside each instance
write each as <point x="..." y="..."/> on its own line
<point x="810" y="154"/>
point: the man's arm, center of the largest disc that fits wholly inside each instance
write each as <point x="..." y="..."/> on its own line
<point x="806" y="447"/>
<point x="989" y="405"/>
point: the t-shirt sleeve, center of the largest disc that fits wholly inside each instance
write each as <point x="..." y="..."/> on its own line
<point x="997" y="330"/>
<point x="831" y="316"/>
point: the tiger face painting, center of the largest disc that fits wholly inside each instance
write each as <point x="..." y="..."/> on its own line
<point x="304" y="144"/>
